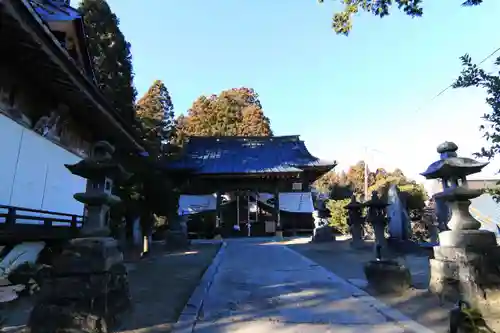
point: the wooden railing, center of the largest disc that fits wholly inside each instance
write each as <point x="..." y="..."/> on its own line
<point x="26" y="223"/>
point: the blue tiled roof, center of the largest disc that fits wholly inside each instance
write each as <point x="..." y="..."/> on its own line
<point x="487" y="211"/>
<point x="238" y="155"/>
<point x="55" y="10"/>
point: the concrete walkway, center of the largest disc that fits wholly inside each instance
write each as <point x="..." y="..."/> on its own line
<point x="266" y="287"/>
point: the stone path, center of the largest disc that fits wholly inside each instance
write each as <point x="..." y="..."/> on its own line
<point x="266" y="287"/>
<point x="416" y="303"/>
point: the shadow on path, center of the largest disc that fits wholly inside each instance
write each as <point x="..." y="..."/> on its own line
<point x="265" y="287"/>
<point x="346" y="262"/>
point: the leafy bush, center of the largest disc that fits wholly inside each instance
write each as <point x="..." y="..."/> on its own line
<point x="338" y="215"/>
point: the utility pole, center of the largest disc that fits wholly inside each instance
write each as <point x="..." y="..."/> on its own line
<point x="366" y="174"/>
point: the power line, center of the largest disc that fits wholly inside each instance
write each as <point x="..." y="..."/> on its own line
<point x="451" y="85"/>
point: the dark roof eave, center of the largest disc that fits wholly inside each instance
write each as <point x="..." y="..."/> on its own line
<point x="320" y="170"/>
<point x="63" y="60"/>
<point x="293" y="174"/>
<point x="322" y="166"/>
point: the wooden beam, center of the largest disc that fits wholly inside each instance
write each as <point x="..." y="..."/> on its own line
<point x="63" y="60"/>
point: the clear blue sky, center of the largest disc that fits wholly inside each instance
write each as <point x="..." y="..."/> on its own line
<point x="339" y="93"/>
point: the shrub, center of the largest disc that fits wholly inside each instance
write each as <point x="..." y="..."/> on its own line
<point x="338" y="215"/>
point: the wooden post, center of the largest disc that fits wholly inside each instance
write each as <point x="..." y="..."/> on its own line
<point x="237" y="222"/>
<point x="256" y="207"/>
<point x="277" y="209"/>
<point x="11" y="217"/>
<point x="218" y="215"/>
<point x="74" y="225"/>
<point x="249" y="226"/>
<point x="248" y="206"/>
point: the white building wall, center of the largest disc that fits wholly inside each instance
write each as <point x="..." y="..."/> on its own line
<point x="32" y="172"/>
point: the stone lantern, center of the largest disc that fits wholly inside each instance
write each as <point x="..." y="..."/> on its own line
<point x="355" y="221"/>
<point x="376" y="216"/>
<point x="88" y="287"/>
<point x="384" y="276"/>
<point x="101" y="172"/>
<point x="322" y="232"/>
<point x="465" y="262"/>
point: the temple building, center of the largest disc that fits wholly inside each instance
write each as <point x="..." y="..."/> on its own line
<point x="51" y="110"/>
<point x="248" y="186"/>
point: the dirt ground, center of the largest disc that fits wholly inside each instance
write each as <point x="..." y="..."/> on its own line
<point x="160" y="286"/>
<point x="417" y="303"/>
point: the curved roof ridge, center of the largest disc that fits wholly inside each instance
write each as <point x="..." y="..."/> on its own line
<point x="259" y="154"/>
<point x="226" y="138"/>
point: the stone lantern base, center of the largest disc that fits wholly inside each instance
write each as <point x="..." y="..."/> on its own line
<point x="467" y="238"/>
<point x="387" y="276"/>
<point x="468" y="271"/>
<point x="322" y="234"/>
<point x="87" y="290"/>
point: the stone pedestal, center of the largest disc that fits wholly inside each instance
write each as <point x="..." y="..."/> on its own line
<point x="323" y="234"/>
<point x="177" y="236"/>
<point x="322" y="231"/>
<point x="387" y="276"/>
<point x="471" y="274"/>
<point x="87" y="290"/>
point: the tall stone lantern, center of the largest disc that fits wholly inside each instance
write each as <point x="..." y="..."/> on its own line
<point x="101" y="171"/>
<point x="355" y="221"/>
<point x="87" y="289"/>
<point x="376" y="216"/>
<point x="465" y="264"/>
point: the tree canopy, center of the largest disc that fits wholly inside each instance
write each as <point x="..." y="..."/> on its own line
<point x="474" y="76"/>
<point x="110" y="54"/>
<point x="149" y="189"/>
<point x="341" y="186"/>
<point x="234" y="112"/>
<point x="342" y="21"/>
<point x="155" y="116"/>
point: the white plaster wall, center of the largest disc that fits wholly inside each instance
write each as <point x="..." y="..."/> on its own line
<point x="32" y="172"/>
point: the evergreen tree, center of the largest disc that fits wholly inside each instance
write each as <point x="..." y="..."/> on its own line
<point x="254" y="121"/>
<point x="155" y="113"/>
<point x="234" y="112"/>
<point x="110" y="54"/>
